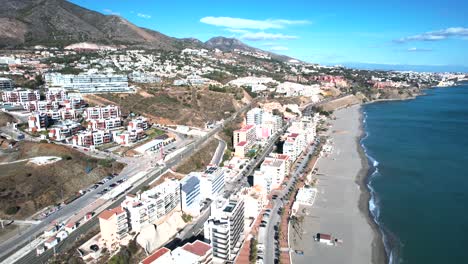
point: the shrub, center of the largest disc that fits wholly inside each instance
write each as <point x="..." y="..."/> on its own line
<point x="12" y="210"/>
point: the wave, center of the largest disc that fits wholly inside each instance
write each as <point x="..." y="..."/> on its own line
<point x="374" y="205"/>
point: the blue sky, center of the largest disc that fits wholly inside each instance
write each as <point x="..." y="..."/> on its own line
<point x="328" y="32"/>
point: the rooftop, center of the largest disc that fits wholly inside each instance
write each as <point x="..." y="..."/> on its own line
<point x="157" y="254"/>
<point x="198" y="247"/>
<point x="109" y="213"/>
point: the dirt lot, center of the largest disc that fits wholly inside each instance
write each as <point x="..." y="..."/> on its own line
<point x="177" y="105"/>
<point x="5" y="118"/>
<point x="30" y="187"/>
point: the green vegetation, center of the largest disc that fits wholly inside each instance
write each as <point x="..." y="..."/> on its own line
<point x="216" y="88"/>
<point x="249" y="91"/>
<point x="253" y="250"/>
<point x="107" y="163"/>
<point x="125" y="254"/>
<point x="187" y="218"/>
<point x="70" y="70"/>
<point x="154" y="132"/>
<point x="219" y="76"/>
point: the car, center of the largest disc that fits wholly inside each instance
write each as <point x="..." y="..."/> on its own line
<point x="113" y="185"/>
<point x="100" y="183"/>
<point x="120" y="181"/>
<point x="94" y="247"/>
<point x="262" y="225"/>
<point x="274" y="196"/>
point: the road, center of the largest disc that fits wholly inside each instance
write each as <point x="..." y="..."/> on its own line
<point x="270" y="247"/>
<point x="218" y="155"/>
<point x="8" y="247"/>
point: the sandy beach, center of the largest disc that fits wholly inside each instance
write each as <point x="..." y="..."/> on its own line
<point x="341" y="206"/>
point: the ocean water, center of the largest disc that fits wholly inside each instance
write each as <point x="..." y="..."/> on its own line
<point x="418" y="151"/>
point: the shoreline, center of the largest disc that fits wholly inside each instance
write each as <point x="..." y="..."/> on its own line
<point x="379" y="253"/>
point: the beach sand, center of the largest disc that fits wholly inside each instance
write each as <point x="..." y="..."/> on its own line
<point x="341" y="206"/>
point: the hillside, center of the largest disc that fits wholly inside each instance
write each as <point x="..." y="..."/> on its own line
<point x="59" y="22"/>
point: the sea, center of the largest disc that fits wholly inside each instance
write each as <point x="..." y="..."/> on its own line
<point x="418" y="152"/>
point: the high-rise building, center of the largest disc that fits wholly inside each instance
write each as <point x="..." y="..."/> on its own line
<point x="88" y="83"/>
<point x="190" y="194"/>
<point x="212" y="182"/>
<point x="224" y="229"/>
<point x="6" y="84"/>
<point x="114" y="226"/>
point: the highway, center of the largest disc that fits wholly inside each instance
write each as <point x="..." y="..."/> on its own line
<point x="9" y="247"/>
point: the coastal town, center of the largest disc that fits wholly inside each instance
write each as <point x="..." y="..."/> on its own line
<point x="270" y="191"/>
<point x="197" y="156"/>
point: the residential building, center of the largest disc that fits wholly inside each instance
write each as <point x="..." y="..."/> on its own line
<point x="92" y="138"/>
<point x="190" y="194"/>
<point x="102" y="112"/>
<point x="38" y="121"/>
<point x="107" y="123"/>
<point x="244" y="139"/>
<point x="293" y="145"/>
<point x="197" y="252"/>
<point x="254" y="116"/>
<point x="224" y="229"/>
<point x="41" y="106"/>
<point x="139" y="122"/>
<point x="212" y="182"/>
<point x="20" y="96"/>
<point x="152" y="205"/>
<point x="88" y="83"/>
<point x="272" y="172"/>
<point x="114" y="227"/>
<point x="54" y="94"/>
<point x="126" y="138"/>
<point x="64" y="130"/>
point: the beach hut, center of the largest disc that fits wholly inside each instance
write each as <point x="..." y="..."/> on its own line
<point x="324" y="238"/>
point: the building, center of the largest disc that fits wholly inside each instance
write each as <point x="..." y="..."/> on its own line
<point x="244" y="139"/>
<point x="254" y="116"/>
<point x="56" y="94"/>
<point x="224" y="229"/>
<point x="212" y="182"/>
<point x="20" y="96"/>
<point x="38" y="122"/>
<point x="102" y="112"/>
<point x="152" y="205"/>
<point x="88" y="83"/>
<point x="104" y="123"/>
<point x="293" y="145"/>
<point x="197" y="252"/>
<point x="114" y="227"/>
<point x="41" y="106"/>
<point x="139" y="122"/>
<point x="6" y="84"/>
<point x="64" y="130"/>
<point x="272" y="172"/>
<point x="141" y="77"/>
<point x="190" y="194"/>
<point x="92" y="138"/>
<point x="305" y="196"/>
<point x="125" y="138"/>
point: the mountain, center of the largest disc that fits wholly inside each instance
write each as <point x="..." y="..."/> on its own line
<point x="59" y="22"/>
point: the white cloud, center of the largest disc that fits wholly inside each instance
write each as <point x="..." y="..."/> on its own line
<point x="241" y="23"/>
<point x="144" y="15"/>
<point x="278" y="48"/>
<point x="256" y="36"/>
<point x="110" y="12"/>
<point x="233" y="30"/>
<point x="418" y="50"/>
<point x="454" y="32"/>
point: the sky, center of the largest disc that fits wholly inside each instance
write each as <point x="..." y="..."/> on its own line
<point x="431" y="33"/>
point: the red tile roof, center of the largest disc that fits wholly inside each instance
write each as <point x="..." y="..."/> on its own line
<point x="157" y="254"/>
<point x="198" y="248"/>
<point x="109" y="213"/>
<point x="242" y="143"/>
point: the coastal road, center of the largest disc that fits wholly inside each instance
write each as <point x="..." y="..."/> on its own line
<point x="218" y="155"/>
<point x="269" y="251"/>
<point x="18" y="243"/>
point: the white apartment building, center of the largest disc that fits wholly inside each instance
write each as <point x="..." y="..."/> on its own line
<point x="307" y="125"/>
<point x="127" y="137"/>
<point x="88" y="83"/>
<point x="272" y="172"/>
<point x="114" y="227"/>
<point x="190" y="194"/>
<point x="40" y="106"/>
<point x="139" y="122"/>
<point x="107" y="123"/>
<point x="56" y="94"/>
<point x="224" y="229"/>
<point x="212" y="182"/>
<point x="91" y="138"/>
<point x="64" y="130"/>
<point x="151" y="205"/>
<point x="254" y="116"/>
<point x="102" y="112"/>
<point x="294" y="145"/>
<point x="20" y="96"/>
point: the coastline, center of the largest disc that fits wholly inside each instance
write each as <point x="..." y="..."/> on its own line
<point x="379" y="254"/>
<point x="341" y="208"/>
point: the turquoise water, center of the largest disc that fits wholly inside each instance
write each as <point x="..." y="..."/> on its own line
<point x="419" y="149"/>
